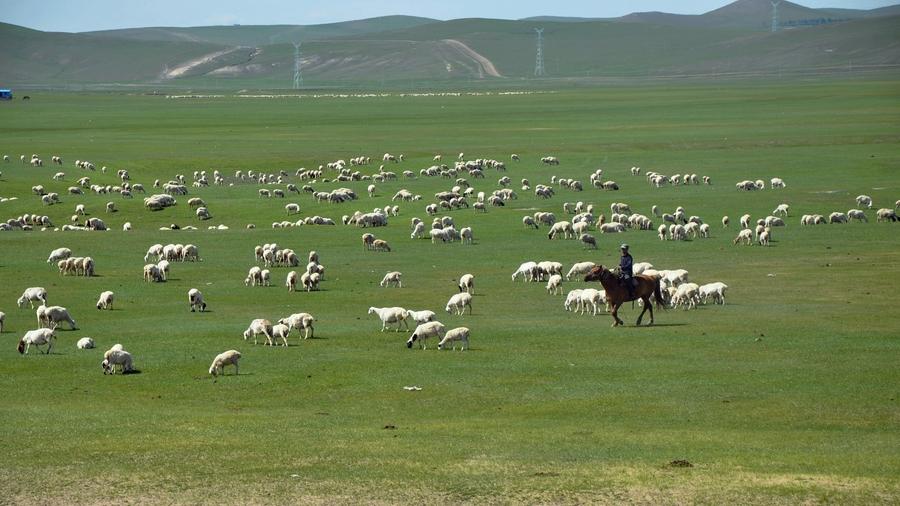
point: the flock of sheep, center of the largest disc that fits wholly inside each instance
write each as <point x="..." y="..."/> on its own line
<point x="582" y="219"/>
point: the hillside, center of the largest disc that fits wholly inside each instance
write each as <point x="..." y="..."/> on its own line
<point x="420" y="51"/>
<point x="248" y="35"/>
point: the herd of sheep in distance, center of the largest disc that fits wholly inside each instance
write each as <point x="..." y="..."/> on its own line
<point x="581" y="219"/>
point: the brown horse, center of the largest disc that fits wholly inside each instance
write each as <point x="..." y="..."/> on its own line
<point x="617" y="292"/>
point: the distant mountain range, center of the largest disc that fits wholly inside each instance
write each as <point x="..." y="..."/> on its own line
<point x="406" y="49"/>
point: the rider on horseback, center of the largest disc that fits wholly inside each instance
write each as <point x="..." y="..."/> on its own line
<point x="625" y="266"/>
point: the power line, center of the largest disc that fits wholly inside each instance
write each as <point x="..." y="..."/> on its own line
<point x="539" y="56"/>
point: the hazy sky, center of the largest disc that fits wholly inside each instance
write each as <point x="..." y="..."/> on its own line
<point x="86" y="15"/>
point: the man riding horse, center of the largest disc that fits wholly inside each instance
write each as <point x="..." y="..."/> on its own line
<point x="626" y="265"/>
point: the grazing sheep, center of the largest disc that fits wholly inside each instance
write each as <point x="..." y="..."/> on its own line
<point x="864" y="201"/>
<point x="153" y="274"/>
<point x="465" y="235"/>
<point x="291" y="281"/>
<point x="388" y="315"/>
<point x="301" y="321"/>
<point x="591" y="299"/>
<point x="467" y="284"/>
<point x="425" y="331"/>
<point x="580" y="269"/>
<point x="528" y="222"/>
<point x="38" y="337"/>
<point x="725" y="221"/>
<point x="459" y="334"/>
<point x="776" y="182"/>
<point x="52" y="316"/>
<point x="229" y="357"/>
<point x="527" y="270"/>
<point x="32" y="295"/>
<point x="763" y="238"/>
<point x="856" y="214"/>
<point x="106" y="300"/>
<point x="714" y="291"/>
<point x="589" y="241"/>
<point x="254" y="277"/>
<point x="257" y="327"/>
<point x="458" y="303"/>
<point x="421" y="317"/>
<point x="265" y="277"/>
<point x="392" y="278"/>
<point x="281" y="331"/>
<point x="687" y="294"/>
<point x="837" y="217"/>
<point x="380" y="245"/>
<point x="292" y="208"/>
<point x="59" y="254"/>
<point x="554" y="285"/>
<point x="85" y="343"/>
<point x="195" y="298"/>
<point x="368" y="240"/>
<point x="885" y="214"/>
<point x="745" y="236"/>
<point x="117" y="359"/>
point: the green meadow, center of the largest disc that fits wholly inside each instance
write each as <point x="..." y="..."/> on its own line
<point x="786" y="394"/>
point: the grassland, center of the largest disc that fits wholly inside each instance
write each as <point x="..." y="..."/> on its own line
<point x="787" y="394"/>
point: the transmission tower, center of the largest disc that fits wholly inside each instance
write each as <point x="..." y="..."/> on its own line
<point x="539" y="57"/>
<point x="775" y="15"/>
<point x="298" y="79"/>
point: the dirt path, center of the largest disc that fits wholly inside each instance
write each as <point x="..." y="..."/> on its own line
<point x="196" y="62"/>
<point x="485" y="65"/>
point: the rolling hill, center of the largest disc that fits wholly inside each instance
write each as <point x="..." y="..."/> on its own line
<point x="421" y="51"/>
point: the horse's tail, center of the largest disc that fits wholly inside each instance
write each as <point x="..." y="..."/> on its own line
<point x="661" y="303"/>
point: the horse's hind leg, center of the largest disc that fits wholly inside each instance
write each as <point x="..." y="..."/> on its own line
<point x="615" y="315"/>
<point x="641" y="316"/>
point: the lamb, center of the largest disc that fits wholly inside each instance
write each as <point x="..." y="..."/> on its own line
<point x="589" y="241"/>
<point x="152" y="273"/>
<point x="281" y="331"/>
<point x="59" y="254"/>
<point x="195" y="298"/>
<point x="459" y="334"/>
<point x="229" y="357"/>
<point x="421" y="317"/>
<point x="38" y="337"/>
<point x="745" y="236"/>
<point x="390" y="278"/>
<point x="573" y="300"/>
<point x="580" y="269"/>
<point x="32" y="295"/>
<point x="687" y="294"/>
<point x="714" y="291"/>
<point x="467" y="283"/>
<point x="458" y="303"/>
<point x="85" y="343"/>
<point x="257" y="327"/>
<point x="554" y="285"/>
<point x="301" y="321"/>
<point x="106" y="300"/>
<point x="52" y="316"/>
<point x="745" y="221"/>
<point x="380" y="245"/>
<point x="115" y="359"/>
<point x="388" y="315"/>
<point x="425" y="331"/>
<point x="782" y="209"/>
<point x="764" y="236"/>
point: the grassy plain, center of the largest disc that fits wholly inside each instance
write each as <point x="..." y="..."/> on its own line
<point x="787" y="394"/>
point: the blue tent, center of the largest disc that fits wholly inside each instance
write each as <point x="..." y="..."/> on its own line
<point x="6" y="95"/>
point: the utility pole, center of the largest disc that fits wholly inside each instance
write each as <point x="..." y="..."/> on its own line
<point x="539" y="56"/>
<point x="775" y="15"/>
<point x="298" y="79"/>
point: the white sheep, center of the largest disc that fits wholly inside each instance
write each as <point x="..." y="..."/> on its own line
<point x="229" y="357"/>
<point x="38" y="337"/>
<point x="52" y="316"/>
<point x="425" y="331"/>
<point x="291" y="281"/>
<point x="687" y="294"/>
<point x="782" y="209"/>
<point x="459" y="334"/>
<point x="421" y="317"/>
<point x="59" y="254"/>
<point x="526" y="270"/>
<point x="152" y="273"/>
<point x="388" y="315"/>
<point x="254" y="277"/>
<point x="554" y="285"/>
<point x="281" y="331"/>
<point x="32" y="295"/>
<point x="2" y="320"/>
<point x="115" y="359"/>
<point x="195" y="298"/>
<point x="458" y="303"/>
<point x="580" y="269"/>
<point x="864" y="201"/>
<point x="856" y="214"/>
<point x="467" y="283"/>
<point x="257" y="327"/>
<point x="745" y="236"/>
<point x="573" y="300"/>
<point x="392" y="278"/>
<point x="106" y="300"/>
<point x="591" y="299"/>
<point x="301" y="321"/>
<point x="714" y="291"/>
<point x="85" y="343"/>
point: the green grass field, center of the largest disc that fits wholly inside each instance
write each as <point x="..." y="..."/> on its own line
<point x="787" y="394"/>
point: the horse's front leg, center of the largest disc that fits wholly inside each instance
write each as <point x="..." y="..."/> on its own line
<point x="615" y="315"/>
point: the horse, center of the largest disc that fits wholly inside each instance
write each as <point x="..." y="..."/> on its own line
<point x="617" y="292"/>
